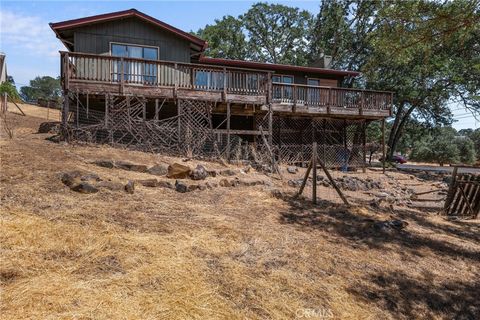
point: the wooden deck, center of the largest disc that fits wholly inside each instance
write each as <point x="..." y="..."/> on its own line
<point x="103" y="74"/>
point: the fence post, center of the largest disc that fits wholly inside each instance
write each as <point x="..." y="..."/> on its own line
<point x="228" y="130"/>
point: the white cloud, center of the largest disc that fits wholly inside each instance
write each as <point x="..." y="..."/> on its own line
<point x="30" y="34"/>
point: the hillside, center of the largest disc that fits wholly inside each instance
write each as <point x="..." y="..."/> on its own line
<point x="230" y="252"/>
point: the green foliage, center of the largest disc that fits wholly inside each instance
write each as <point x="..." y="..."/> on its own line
<point x="11" y="90"/>
<point x="277" y="33"/>
<point x="42" y="88"/>
<point x="440" y="149"/>
<point x="266" y="32"/>
<point x="474" y="136"/>
<point x="226" y="38"/>
<point x="466" y="150"/>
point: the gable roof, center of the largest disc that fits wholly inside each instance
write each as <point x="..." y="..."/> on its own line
<point x="274" y="66"/>
<point x="58" y="27"/>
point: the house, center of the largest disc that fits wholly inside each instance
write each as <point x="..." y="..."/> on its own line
<point x="131" y="79"/>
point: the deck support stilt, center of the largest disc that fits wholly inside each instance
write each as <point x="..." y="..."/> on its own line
<point x="228" y="130"/>
<point x="384" y="160"/>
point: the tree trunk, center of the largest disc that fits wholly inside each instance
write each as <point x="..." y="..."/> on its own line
<point x="398" y="133"/>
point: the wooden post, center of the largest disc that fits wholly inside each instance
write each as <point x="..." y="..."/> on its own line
<point x="88" y="103"/>
<point x="270" y="125"/>
<point x="122" y="79"/>
<point x="451" y="190"/>
<point x="156" y="109"/>
<point x="314" y="167"/>
<point x="364" y="146"/>
<point x="106" y="110"/>
<point x="76" y="113"/>
<point x="224" y="84"/>
<point x="228" y="130"/>
<point x="65" y="110"/>
<point x="383" y="146"/>
<point x="305" y="179"/>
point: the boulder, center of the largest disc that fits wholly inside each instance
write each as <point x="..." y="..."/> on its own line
<point x="104" y="163"/>
<point x="130" y="187"/>
<point x="158" y="170"/>
<point x="110" y="185"/>
<point x="181" y="186"/>
<point x="151" y="183"/>
<point x="131" y="166"/>
<point x="178" y="171"/>
<point x="292" y="169"/>
<point x="84" y="187"/>
<point x="199" y="173"/>
<point x="71" y="178"/>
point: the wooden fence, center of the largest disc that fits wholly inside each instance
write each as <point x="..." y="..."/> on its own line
<point x="463" y="198"/>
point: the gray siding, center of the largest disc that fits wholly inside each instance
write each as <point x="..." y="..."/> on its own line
<point x="96" y="38"/>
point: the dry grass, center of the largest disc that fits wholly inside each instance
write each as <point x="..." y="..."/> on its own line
<point x="226" y="253"/>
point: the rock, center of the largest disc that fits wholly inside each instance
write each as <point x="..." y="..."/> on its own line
<point x="49" y="127"/>
<point x="71" y="178"/>
<point x="227" y="172"/>
<point x="104" y="163"/>
<point x="390" y="225"/>
<point x="297" y="183"/>
<point x="158" y="170"/>
<point x="130" y="187"/>
<point x="292" y="169"/>
<point x="131" y="166"/>
<point x="181" y="186"/>
<point x="84" y="187"/>
<point x="90" y="177"/>
<point x="199" y="173"/>
<point x="110" y="185"/>
<point x="211" y="185"/>
<point x="178" y="171"/>
<point x="165" y="184"/>
<point x="151" y="183"/>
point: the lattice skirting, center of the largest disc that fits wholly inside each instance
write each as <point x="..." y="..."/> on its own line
<point x="190" y="133"/>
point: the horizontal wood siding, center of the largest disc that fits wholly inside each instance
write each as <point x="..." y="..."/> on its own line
<point x="96" y="38"/>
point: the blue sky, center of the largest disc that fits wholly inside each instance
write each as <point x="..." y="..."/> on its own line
<point x="32" y="48"/>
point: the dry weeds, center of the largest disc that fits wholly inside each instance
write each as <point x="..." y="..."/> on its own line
<point x="226" y="253"/>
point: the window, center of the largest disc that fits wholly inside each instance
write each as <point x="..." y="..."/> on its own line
<point x="283" y="92"/>
<point x="137" y="72"/>
<point x="313" y="82"/>
<point x="313" y="94"/>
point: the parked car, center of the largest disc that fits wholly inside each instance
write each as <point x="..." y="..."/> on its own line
<point x="399" y="159"/>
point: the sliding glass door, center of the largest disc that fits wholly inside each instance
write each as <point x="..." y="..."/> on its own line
<point x="135" y="71"/>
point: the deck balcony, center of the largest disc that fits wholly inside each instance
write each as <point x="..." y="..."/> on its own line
<point x="163" y="79"/>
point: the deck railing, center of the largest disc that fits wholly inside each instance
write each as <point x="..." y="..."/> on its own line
<point x="111" y="69"/>
<point x="315" y="96"/>
<point x="90" y="68"/>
